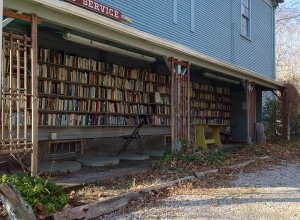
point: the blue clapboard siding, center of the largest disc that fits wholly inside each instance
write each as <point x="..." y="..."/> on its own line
<point x="256" y="54"/>
<point x="217" y="30"/>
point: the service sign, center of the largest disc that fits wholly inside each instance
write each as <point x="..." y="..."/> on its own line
<point x="99" y="8"/>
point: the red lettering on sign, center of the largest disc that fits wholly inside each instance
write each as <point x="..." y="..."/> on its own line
<point x="99" y="8"/>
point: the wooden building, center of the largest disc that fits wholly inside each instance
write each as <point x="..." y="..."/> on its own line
<point x="78" y="74"/>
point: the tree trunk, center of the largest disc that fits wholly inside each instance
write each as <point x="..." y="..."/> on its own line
<point x="260" y="133"/>
<point x="14" y="204"/>
<point x="288" y="135"/>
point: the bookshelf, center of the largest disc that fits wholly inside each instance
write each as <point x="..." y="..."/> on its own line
<point x="210" y="104"/>
<point x="78" y="91"/>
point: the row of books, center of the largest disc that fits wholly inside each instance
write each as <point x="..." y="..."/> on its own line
<point x="60" y="58"/>
<point x="13" y="83"/>
<point x="15" y="99"/>
<point x="157" y="98"/>
<point x="211" y="88"/>
<point x="163" y="110"/>
<point x="199" y="104"/>
<point x="223" y="99"/>
<point x="87" y="91"/>
<point x="210" y="113"/>
<point x="69" y="60"/>
<point x="203" y="87"/>
<point x="223" y="90"/>
<point x="15" y="116"/>
<point x="91" y="119"/>
<point x="127" y="108"/>
<point x="203" y="95"/>
<point x="59" y="104"/>
<point x="163" y="89"/>
<point x="211" y="121"/>
<point x="106" y="81"/>
<point x="51" y="56"/>
<point x="128" y="96"/>
<point x="212" y="105"/>
<point x="60" y="88"/>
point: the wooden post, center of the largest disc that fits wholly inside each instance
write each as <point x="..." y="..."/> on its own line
<point x="14" y="204"/>
<point x="3" y="94"/>
<point x="1" y="42"/>
<point x="18" y="91"/>
<point x="251" y="110"/>
<point x="172" y="106"/>
<point x="260" y="133"/>
<point x="25" y="93"/>
<point x="34" y="91"/>
<point x="10" y="127"/>
<point x="188" y="106"/>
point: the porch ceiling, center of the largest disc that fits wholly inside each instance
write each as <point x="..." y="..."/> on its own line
<point x="74" y="18"/>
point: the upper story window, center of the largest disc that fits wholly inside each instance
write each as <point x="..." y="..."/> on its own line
<point x="246" y="18"/>
<point x="192" y="13"/>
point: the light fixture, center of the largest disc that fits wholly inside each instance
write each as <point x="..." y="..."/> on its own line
<point x="106" y="47"/>
<point x="220" y="78"/>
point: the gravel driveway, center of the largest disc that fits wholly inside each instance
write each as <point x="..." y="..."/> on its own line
<point x="272" y="193"/>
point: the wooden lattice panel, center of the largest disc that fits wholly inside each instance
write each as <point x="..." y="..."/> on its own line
<point x="180" y="103"/>
<point x="16" y="95"/>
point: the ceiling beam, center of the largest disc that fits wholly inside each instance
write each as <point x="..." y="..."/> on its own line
<point x="19" y="16"/>
<point x="8" y="20"/>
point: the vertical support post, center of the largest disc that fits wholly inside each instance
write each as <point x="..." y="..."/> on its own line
<point x="172" y="105"/>
<point x="180" y="103"/>
<point x="10" y="88"/>
<point x="18" y="95"/>
<point x="2" y="77"/>
<point x="34" y="82"/>
<point x="251" y="110"/>
<point x="3" y="101"/>
<point x="25" y="93"/>
<point x="188" y="106"/>
<point x="1" y="42"/>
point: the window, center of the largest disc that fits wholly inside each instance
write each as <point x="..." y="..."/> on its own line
<point x="175" y="11"/>
<point x="65" y="147"/>
<point x="246" y="18"/>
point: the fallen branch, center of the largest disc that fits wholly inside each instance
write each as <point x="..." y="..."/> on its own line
<point x="95" y="209"/>
<point x="14" y="204"/>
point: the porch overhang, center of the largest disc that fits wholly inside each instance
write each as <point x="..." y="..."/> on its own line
<point x="76" y="18"/>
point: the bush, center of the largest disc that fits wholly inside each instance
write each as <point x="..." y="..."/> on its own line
<point x="182" y="160"/>
<point x="272" y="118"/>
<point x="282" y="115"/>
<point x="39" y="193"/>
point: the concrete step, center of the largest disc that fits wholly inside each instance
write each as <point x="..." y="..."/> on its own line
<point x="59" y="166"/>
<point x="98" y="161"/>
<point x="133" y="156"/>
<point x="154" y="153"/>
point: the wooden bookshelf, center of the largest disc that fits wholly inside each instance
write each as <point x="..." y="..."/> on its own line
<point x="78" y="91"/>
<point x="210" y="104"/>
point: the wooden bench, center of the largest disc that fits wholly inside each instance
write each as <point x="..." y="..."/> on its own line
<point x="201" y="140"/>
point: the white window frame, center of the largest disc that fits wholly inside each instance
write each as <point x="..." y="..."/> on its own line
<point x="175" y="11"/>
<point x="246" y="16"/>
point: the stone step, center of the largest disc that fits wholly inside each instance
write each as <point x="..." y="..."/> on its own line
<point x="133" y="156"/>
<point x="154" y="153"/>
<point x="98" y="161"/>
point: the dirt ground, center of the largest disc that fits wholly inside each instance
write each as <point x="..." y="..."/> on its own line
<point x="129" y="182"/>
<point x="110" y="182"/>
<point x="271" y="192"/>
